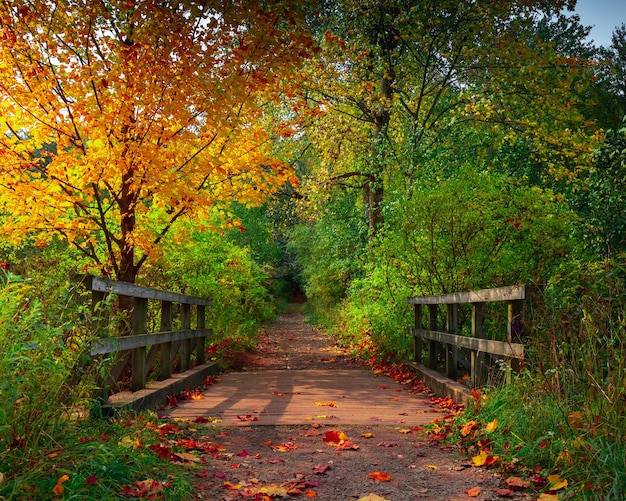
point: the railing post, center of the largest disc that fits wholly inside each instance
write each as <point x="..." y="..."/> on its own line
<point x="432" y="345"/>
<point x="418" y="344"/>
<point x="139" y="326"/>
<point x="514" y="332"/>
<point x="452" y="323"/>
<point x="479" y="373"/>
<point x="166" y="348"/>
<point x="185" y="345"/>
<point x="200" y="325"/>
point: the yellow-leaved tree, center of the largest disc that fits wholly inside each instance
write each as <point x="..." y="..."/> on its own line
<point x="121" y="119"/>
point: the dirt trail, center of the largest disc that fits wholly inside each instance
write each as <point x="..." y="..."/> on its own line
<point x="297" y="461"/>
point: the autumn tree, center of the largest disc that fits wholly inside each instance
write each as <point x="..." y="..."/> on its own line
<point x="395" y="77"/>
<point x="123" y="118"/>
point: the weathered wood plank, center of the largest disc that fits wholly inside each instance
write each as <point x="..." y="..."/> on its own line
<point x="510" y="293"/>
<point x="125" y="289"/>
<point x="512" y="350"/>
<point x="113" y="344"/>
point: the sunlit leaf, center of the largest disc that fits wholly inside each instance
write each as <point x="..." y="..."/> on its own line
<point x="379" y="476"/>
<point x="58" y="488"/>
<point x="555" y="483"/>
<point x="473" y="492"/>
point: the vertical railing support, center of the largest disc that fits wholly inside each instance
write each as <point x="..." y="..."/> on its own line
<point x="185" y="346"/>
<point x="452" y="323"/>
<point x="139" y="326"/>
<point x="432" y="345"/>
<point x="418" y="345"/>
<point x="200" y="325"/>
<point x="166" y="348"/>
<point x="478" y="366"/>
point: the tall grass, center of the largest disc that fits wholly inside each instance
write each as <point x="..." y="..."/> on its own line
<point x="566" y="413"/>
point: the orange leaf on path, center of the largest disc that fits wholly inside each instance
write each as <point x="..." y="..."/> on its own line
<point x="473" y="492"/>
<point x="310" y="494"/>
<point x="467" y="428"/>
<point x="517" y="483"/>
<point x="379" y="476"/>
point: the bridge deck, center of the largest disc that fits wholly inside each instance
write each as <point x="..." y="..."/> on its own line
<point x="290" y="397"/>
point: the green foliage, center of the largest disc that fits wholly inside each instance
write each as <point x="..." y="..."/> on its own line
<point x="40" y="382"/>
<point x="210" y="266"/>
<point x="102" y="459"/>
<point x="329" y="252"/>
<point x="601" y="197"/>
<point x="475" y="229"/>
<point x="566" y="413"/>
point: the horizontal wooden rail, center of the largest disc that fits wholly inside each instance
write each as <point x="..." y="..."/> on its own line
<point x="502" y="348"/>
<point x="113" y="344"/>
<point x="144" y="346"/>
<point x="125" y="289"/>
<point x="445" y="343"/>
<point x="511" y="293"/>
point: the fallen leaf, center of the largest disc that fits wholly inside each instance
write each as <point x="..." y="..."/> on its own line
<point x="367" y="435"/>
<point x="310" y="494"/>
<point x="372" y="497"/>
<point x="334" y="437"/>
<point x="473" y="492"/>
<point x="504" y="493"/>
<point x="379" y="476"/>
<point x="247" y="417"/>
<point x="491" y="427"/>
<point x="404" y="431"/>
<point x="431" y="467"/>
<point x="145" y="489"/>
<point x="555" y="483"/>
<point x="347" y="446"/>
<point x="467" y="428"/>
<point x="58" y="488"/>
<point x="484" y="459"/>
<point x="321" y="468"/>
<point x="90" y="480"/>
<point x="517" y="483"/>
<point x="548" y="497"/>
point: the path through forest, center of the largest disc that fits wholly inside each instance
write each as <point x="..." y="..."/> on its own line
<point x="328" y="443"/>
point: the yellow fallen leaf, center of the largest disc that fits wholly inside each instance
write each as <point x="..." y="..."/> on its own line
<point x="372" y="497"/>
<point x="367" y="435"/>
<point x="555" y="483"/>
<point x="548" y="497"/>
<point x="491" y="427"/>
<point x="431" y="466"/>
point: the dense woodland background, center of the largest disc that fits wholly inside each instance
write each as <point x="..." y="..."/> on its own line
<point x="361" y="152"/>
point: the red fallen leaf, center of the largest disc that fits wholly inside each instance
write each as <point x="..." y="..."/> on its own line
<point x="347" y="446"/>
<point x="247" y="417"/>
<point x="504" y="493"/>
<point x="200" y="419"/>
<point x="275" y="461"/>
<point x="310" y="494"/>
<point x="382" y="387"/>
<point x="203" y="474"/>
<point x="169" y="429"/>
<point x="91" y="480"/>
<point x="473" y="492"/>
<point x="163" y="452"/>
<point x="538" y="480"/>
<point x="243" y="453"/>
<point x="83" y="440"/>
<point x="146" y="489"/>
<point x="322" y="468"/>
<point x="379" y="476"/>
<point x="235" y="465"/>
<point x="219" y="474"/>
<point x="334" y="437"/>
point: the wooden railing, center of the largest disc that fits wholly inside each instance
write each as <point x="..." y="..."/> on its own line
<point x="165" y="341"/>
<point x="444" y="344"/>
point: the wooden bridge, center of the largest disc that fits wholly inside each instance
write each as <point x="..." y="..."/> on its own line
<point x="346" y="396"/>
